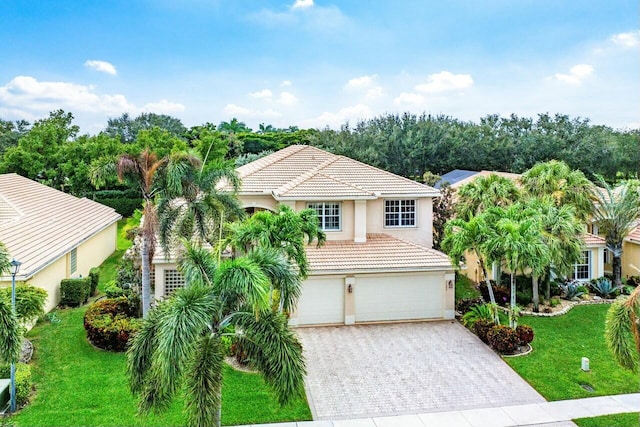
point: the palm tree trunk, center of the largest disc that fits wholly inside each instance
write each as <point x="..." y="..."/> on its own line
<point x="512" y="303"/>
<point x="547" y="284"/>
<point x="536" y="291"/>
<point x="146" y="277"/>
<point x="487" y="281"/>
<point x="617" y="270"/>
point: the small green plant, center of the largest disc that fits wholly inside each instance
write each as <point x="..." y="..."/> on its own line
<point x="571" y="291"/>
<point x="94" y="278"/>
<point x="114" y="291"/>
<point x="24" y="382"/>
<point x="478" y="312"/>
<point x="554" y="302"/>
<point x="604" y="288"/>
<point x="503" y="339"/>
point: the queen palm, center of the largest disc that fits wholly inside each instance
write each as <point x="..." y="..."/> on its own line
<point x="179" y="347"/>
<point x="621" y="330"/>
<point x="566" y="186"/>
<point x="10" y="341"/>
<point x="616" y="214"/>
<point x="485" y="192"/>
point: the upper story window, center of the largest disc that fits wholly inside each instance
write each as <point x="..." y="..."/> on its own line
<point x="328" y="215"/>
<point x="399" y="213"/>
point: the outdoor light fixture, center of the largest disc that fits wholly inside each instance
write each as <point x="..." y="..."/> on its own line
<point x="450" y="284"/>
<point x="350" y="288"/>
<point x="14" y="268"/>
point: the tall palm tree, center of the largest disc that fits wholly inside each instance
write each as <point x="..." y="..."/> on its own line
<point x="562" y="234"/>
<point x="470" y="235"/>
<point x="566" y="186"/>
<point x="180" y="343"/>
<point x="518" y="241"/>
<point x="621" y="330"/>
<point x="485" y="192"/>
<point x="616" y="214"/>
<point x="10" y="340"/>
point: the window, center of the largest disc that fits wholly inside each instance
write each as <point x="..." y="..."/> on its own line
<point x="328" y="215"/>
<point x="582" y="269"/>
<point x="73" y="260"/>
<point x="173" y="281"/>
<point x="399" y="213"/>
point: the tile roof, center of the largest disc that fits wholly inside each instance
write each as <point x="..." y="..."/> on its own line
<point x="381" y="252"/>
<point x="634" y="236"/>
<point x="304" y="171"/>
<point x="39" y="224"/>
<point x="593" y="240"/>
<point x="454" y="176"/>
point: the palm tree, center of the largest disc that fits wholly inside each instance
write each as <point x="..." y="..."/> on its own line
<point x="517" y="239"/>
<point x="616" y="214"/>
<point x="621" y="330"/>
<point x="10" y="339"/>
<point x="562" y="234"/>
<point x="485" y="192"/>
<point x="470" y="235"/>
<point x="180" y="343"/>
<point x="566" y="186"/>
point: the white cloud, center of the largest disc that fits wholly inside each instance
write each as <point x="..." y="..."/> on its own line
<point x="328" y="20"/>
<point x="286" y="83"/>
<point x="362" y="82"/>
<point x="233" y="110"/>
<point x="287" y="98"/>
<point x="628" y="40"/>
<point x="445" y="81"/>
<point x="577" y="74"/>
<point x="352" y="114"/>
<point x="408" y="99"/>
<point x="302" y="4"/>
<point x="238" y="111"/>
<point x="375" y="92"/>
<point x="261" y="94"/>
<point x="102" y="66"/>
<point x="163" y="107"/>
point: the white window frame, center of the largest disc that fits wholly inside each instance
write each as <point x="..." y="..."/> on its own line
<point x="400" y="202"/>
<point x="322" y="209"/>
<point x="580" y="264"/>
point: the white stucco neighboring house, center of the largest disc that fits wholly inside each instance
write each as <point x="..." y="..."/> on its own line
<point x="55" y="235"/>
<point x="377" y="264"/>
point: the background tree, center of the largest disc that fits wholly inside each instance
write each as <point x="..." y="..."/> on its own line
<point x="11" y="132"/>
<point x="616" y="214"/>
<point x="485" y="192"/>
<point x="126" y="129"/>
<point x="443" y="210"/>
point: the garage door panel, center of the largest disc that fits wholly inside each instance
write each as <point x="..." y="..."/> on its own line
<point x="399" y="297"/>
<point x="321" y="302"/>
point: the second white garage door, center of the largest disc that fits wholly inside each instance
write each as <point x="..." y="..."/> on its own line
<point x="399" y="297"/>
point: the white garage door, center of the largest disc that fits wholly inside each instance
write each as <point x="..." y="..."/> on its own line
<point x="322" y="301"/>
<point x="399" y="297"/>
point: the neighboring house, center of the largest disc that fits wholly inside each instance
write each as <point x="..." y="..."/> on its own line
<point x="377" y="264"/>
<point x="55" y="235"/>
<point x="591" y="266"/>
<point x="630" y="254"/>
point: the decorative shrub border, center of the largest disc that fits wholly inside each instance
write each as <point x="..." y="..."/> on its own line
<point x="566" y="309"/>
<point x="524" y="353"/>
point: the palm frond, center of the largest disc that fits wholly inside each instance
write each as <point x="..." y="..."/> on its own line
<point x="196" y="264"/>
<point x="241" y="280"/>
<point x="140" y="352"/>
<point x="10" y="339"/>
<point x="619" y="335"/>
<point x="203" y="395"/>
<point x="281" y="273"/>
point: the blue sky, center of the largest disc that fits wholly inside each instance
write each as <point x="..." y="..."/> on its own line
<point x="317" y="63"/>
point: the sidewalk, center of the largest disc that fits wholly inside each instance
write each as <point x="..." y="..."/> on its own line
<point x="556" y="414"/>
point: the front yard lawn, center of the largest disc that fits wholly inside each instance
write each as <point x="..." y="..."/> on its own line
<point x="618" y="420"/>
<point x="79" y="385"/>
<point x="553" y="368"/>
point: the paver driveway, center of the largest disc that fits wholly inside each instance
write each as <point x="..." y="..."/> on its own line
<point x="392" y="369"/>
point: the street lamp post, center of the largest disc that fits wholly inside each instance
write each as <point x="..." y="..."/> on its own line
<point x="15" y="267"/>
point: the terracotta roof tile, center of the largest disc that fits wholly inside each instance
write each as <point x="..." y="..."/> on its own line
<point x="634" y="236"/>
<point x="46" y="223"/>
<point x="593" y="240"/>
<point x="381" y="252"/>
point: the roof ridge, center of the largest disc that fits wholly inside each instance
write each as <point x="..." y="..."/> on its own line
<point x="272" y="158"/>
<point x="303" y="177"/>
<point x="341" y="181"/>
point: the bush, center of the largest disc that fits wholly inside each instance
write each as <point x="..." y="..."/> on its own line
<point x="74" y="292"/>
<point x="479" y="312"/>
<point x="482" y="328"/>
<point x="465" y="304"/>
<point x="94" y="279"/>
<point x="632" y="281"/>
<point x="29" y="301"/>
<point x="24" y="382"/>
<point x="571" y="290"/>
<point x="524" y="334"/>
<point x="125" y="202"/>
<point x="128" y="277"/>
<point x="503" y="339"/>
<point x="110" y="323"/>
<point x="604" y="288"/>
<point x="501" y="293"/>
<point x="114" y="291"/>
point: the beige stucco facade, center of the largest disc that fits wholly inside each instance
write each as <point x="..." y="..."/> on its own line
<point x="630" y="260"/>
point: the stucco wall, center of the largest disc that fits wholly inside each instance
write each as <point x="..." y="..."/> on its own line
<point x="630" y="255"/>
<point x="422" y="233"/>
<point x="49" y="280"/>
<point x="264" y="202"/>
<point x="94" y="251"/>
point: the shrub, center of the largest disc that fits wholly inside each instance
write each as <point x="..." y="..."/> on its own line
<point x="604" y="288"/>
<point x="114" y="291"/>
<point x="571" y="290"/>
<point x="24" y="382"/>
<point x="632" y="281"/>
<point x="466" y="303"/>
<point x="74" y="292"/>
<point x="479" y="312"/>
<point x="29" y="301"/>
<point x="125" y="202"/>
<point x="128" y="277"/>
<point x="110" y="323"/>
<point x="554" y="302"/>
<point x="94" y="278"/>
<point x="501" y="293"/>
<point x="503" y="339"/>
<point x="482" y="328"/>
<point x="524" y="334"/>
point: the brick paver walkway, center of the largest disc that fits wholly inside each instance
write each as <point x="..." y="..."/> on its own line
<point x="410" y="368"/>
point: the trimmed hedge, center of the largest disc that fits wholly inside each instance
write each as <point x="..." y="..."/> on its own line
<point x="125" y="207"/>
<point x="94" y="278"/>
<point x="110" y="323"/>
<point x="24" y="382"/>
<point x="503" y="339"/>
<point x="75" y="292"/>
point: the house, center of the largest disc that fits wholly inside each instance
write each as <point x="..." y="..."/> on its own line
<point x="377" y="264"/>
<point x="594" y="255"/>
<point x="53" y="234"/>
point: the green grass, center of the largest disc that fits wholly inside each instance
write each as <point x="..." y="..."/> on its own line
<point x="630" y="419"/>
<point x="77" y="384"/>
<point x="108" y="268"/>
<point x="465" y="288"/>
<point x="553" y="368"/>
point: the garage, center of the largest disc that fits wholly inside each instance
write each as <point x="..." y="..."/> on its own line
<point x="399" y="297"/>
<point x="322" y="301"/>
